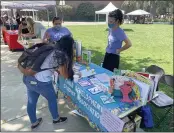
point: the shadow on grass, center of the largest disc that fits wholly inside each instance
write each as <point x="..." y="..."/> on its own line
<point x="140" y="63"/>
<point x="126" y="63"/>
<point x="128" y="30"/>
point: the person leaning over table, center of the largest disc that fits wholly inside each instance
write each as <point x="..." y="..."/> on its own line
<point x="54" y="33"/>
<point x="115" y="38"/>
<point x="23" y="29"/>
<point x="40" y="83"/>
<point x="34" y="28"/>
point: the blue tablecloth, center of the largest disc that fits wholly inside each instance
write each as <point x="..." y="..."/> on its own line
<point x="91" y="105"/>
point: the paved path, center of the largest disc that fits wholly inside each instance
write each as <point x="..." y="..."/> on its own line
<point x="45" y="23"/>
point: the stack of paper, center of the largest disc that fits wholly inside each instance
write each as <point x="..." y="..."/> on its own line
<point x="86" y="73"/>
<point x="103" y="77"/>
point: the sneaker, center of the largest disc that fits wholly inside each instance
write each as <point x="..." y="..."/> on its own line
<point x="61" y="120"/>
<point x="39" y="121"/>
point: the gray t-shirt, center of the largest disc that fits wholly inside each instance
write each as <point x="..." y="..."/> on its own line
<point x="51" y="62"/>
<point x="37" y="29"/>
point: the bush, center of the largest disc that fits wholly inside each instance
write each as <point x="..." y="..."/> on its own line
<point x="42" y="14"/>
<point x="161" y="20"/>
<point x="68" y="12"/>
<point x="85" y="12"/>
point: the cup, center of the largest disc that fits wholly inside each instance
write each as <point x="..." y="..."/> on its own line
<point x="76" y="78"/>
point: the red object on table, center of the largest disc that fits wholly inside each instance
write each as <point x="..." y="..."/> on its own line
<point x="144" y="74"/>
<point x="11" y="39"/>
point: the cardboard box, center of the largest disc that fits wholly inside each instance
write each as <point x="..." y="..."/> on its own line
<point x="129" y="125"/>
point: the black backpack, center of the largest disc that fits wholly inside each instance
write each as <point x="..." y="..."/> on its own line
<point x="34" y="56"/>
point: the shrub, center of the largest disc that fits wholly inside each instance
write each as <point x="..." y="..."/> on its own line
<point x="68" y="12"/>
<point x="85" y="12"/>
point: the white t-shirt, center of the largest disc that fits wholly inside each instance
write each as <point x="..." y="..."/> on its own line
<point x="37" y="29"/>
<point x="46" y="76"/>
<point x="52" y="63"/>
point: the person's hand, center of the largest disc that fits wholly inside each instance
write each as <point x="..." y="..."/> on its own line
<point x="23" y="35"/>
<point x="63" y="71"/>
<point x="118" y="51"/>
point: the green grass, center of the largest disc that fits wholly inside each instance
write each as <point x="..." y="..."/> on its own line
<point x="151" y="44"/>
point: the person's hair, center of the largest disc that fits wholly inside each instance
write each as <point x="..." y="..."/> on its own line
<point x="17" y="14"/>
<point x="66" y="45"/>
<point x="23" y="19"/>
<point x="117" y="15"/>
<point x="56" y="18"/>
<point x="31" y="26"/>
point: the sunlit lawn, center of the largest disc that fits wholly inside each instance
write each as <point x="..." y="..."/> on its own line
<point x="151" y="44"/>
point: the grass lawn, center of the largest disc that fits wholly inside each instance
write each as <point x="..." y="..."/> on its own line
<point x="151" y="44"/>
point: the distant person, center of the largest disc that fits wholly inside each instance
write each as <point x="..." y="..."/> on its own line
<point x="14" y="23"/>
<point x="39" y="83"/>
<point x="18" y="19"/>
<point x="116" y="37"/>
<point x="6" y="22"/>
<point x="56" y="32"/>
<point x="34" y="28"/>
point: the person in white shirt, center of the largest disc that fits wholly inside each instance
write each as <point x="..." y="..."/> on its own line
<point x="34" y="28"/>
<point x="40" y="83"/>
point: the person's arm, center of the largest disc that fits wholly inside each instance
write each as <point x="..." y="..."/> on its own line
<point x="127" y="45"/>
<point x="27" y="72"/>
<point x="19" y="30"/>
<point x="46" y="37"/>
<point x="63" y="71"/>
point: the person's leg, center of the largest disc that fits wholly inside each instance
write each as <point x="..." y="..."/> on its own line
<point x="47" y="90"/>
<point x="117" y="61"/>
<point x="111" y="61"/>
<point x="32" y="99"/>
<point x="31" y="105"/>
<point x="106" y="61"/>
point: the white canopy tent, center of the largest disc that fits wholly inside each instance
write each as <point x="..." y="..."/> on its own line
<point x="138" y="12"/>
<point x="109" y="8"/>
<point x="4" y="10"/>
<point x="28" y="10"/>
<point x="40" y="5"/>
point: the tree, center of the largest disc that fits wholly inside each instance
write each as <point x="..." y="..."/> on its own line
<point x="85" y="11"/>
<point x="65" y="11"/>
<point x="153" y="6"/>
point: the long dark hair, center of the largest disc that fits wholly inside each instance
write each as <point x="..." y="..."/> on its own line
<point x="65" y="45"/>
<point x="117" y="15"/>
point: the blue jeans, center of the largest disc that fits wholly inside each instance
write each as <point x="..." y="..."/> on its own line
<point x="36" y="88"/>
